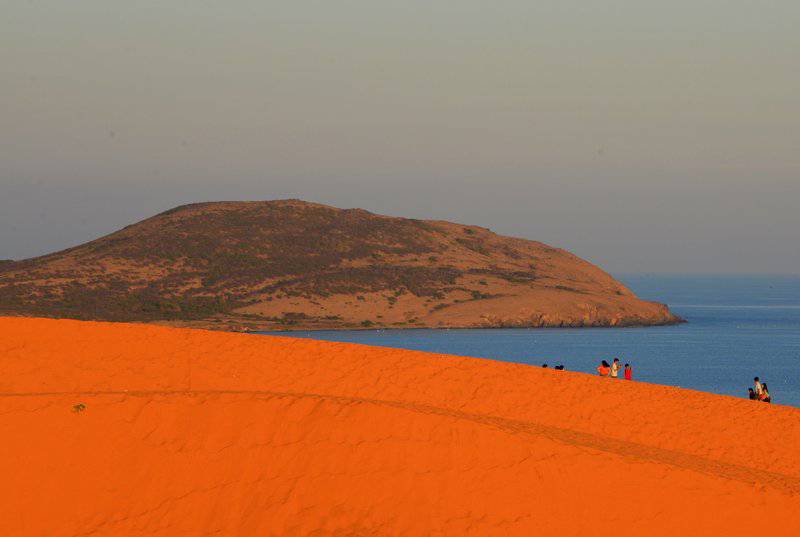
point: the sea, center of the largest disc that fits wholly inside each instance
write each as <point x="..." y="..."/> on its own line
<point x="738" y="327"/>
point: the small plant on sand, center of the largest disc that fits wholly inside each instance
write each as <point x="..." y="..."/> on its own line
<point x="80" y="407"/>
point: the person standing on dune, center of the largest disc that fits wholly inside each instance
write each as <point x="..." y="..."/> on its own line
<point x="628" y="372"/>
<point x="615" y="367"/>
<point x="758" y="388"/>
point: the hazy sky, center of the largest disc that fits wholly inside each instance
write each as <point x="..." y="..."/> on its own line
<point x="646" y="136"/>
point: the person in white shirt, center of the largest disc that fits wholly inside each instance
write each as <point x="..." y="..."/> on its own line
<point x="615" y="367"/>
<point x="759" y="389"/>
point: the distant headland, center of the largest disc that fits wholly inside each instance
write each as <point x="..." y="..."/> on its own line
<point x="291" y="264"/>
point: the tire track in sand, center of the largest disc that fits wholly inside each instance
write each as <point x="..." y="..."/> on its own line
<point x="678" y="459"/>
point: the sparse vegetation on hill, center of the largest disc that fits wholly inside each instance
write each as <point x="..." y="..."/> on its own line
<point x="292" y="263"/>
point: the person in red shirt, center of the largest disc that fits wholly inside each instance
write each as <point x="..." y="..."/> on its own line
<point x="628" y="372"/>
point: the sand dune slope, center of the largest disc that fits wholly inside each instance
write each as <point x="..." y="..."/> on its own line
<point x="112" y="429"/>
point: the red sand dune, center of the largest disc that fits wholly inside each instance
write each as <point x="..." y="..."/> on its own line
<point x="197" y="433"/>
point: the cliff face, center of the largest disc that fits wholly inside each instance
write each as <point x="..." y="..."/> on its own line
<point x="115" y="429"/>
<point x="292" y="264"/>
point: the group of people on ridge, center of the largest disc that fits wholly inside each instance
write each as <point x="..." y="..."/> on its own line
<point x="759" y="391"/>
<point x="612" y="370"/>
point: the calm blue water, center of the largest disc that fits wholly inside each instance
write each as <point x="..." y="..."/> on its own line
<point x="739" y="327"/>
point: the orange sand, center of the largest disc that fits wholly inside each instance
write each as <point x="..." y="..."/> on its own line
<point x="198" y="433"/>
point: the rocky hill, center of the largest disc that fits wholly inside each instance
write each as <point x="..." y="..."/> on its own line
<point x="293" y="264"/>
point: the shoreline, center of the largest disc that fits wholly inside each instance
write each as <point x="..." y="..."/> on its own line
<point x="249" y="325"/>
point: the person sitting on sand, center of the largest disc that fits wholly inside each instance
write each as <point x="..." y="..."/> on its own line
<point x="560" y="367"/>
<point x="628" y="372"/>
<point x="757" y="387"/>
<point x="544" y="366"/>
<point x="752" y="394"/>
<point x="615" y="367"/>
<point x="604" y="369"/>
<point x="765" y="397"/>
